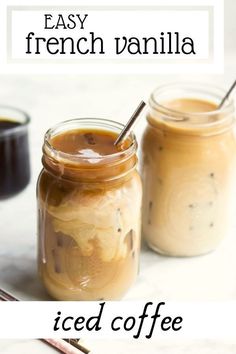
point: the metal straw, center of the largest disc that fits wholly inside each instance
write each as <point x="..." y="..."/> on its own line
<point x="6" y="296"/>
<point x="67" y="346"/>
<point x="62" y="345"/>
<point x="131" y="121"/>
<point x="76" y="344"/>
<point x="227" y="95"/>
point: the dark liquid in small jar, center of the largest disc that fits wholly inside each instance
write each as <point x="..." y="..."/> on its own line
<point x="14" y="158"/>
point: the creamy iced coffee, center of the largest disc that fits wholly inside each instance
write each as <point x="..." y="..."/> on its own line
<point x="188" y="166"/>
<point x="89" y="213"/>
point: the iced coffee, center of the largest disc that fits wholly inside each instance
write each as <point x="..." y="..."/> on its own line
<point x="89" y="198"/>
<point x="188" y="166"/>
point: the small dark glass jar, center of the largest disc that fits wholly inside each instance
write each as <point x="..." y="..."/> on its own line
<point x="14" y="151"/>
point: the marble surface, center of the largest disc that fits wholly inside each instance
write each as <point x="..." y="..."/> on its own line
<point x="50" y="99"/>
<point x="120" y="347"/>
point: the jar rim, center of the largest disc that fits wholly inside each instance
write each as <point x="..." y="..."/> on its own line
<point x="13" y="114"/>
<point x="87" y="122"/>
<point x="178" y="116"/>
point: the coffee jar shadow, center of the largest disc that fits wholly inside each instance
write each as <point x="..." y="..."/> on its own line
<point x="22" y="279"/>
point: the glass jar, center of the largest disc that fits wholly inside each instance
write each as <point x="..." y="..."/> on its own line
<point x="14" y="151"/>
<point x="188" y="166"/>
<point x="89" y="218"/>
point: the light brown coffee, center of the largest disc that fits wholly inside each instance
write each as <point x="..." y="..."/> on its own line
<point x="188" y="165"/>
<point x="90" y="226"/>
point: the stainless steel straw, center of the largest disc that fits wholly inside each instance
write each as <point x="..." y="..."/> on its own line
<point x="129" y="124"/>
<point x="227" y="95"/>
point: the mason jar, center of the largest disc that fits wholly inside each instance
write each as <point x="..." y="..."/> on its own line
<point x="89" y="213"/>
<point x="188" y="169"/>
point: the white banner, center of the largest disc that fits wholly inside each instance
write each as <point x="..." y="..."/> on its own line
<point x="128" y="320"/>
<point x="132" y="33"/>
<point x="168" y="37"/>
